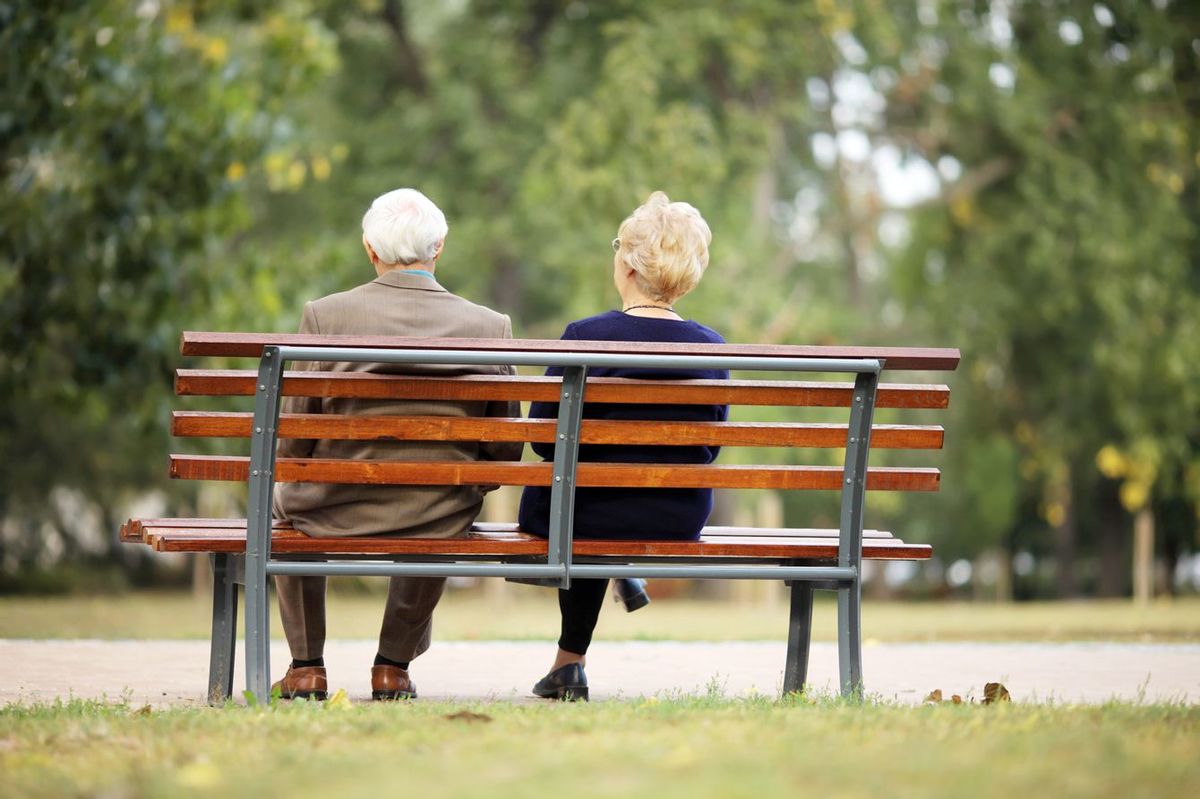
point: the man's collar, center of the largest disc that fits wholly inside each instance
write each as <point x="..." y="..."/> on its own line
<point x="402" y="279"/>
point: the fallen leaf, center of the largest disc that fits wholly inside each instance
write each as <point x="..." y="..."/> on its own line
<point x="144" y="710"/>
<point x="995" y="692"/>
<point x="340" y="700"/>
<point x="956" y="699"/>
<point x="934" y="696"/>
<point x="467" y="715"/>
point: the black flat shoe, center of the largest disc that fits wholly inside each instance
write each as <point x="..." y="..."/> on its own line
<point x="568" y="684"/>
<point x="631" y="592"/>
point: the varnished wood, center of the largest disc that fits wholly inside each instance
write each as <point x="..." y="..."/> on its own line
<point x="251" y="345"/>
<point x="589" y="475"/>
<point x="452" y="428"/>
<point x="185" y="539"/>
<point x="366" y="385"/>
<point x="220" y="527"/>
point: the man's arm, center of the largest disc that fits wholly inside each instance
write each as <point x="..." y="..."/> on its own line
<point x="302" y="447"/>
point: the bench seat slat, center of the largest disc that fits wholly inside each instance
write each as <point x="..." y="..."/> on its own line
<point x="195" y="424"/>
<point x="367" y="385"/>
<point x="251" y="345"/>
<point x="218" y="527"/>
<point x="185" y="539"/>
<point x="589" y="475"/>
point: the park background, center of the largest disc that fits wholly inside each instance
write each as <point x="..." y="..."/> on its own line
<point x="1016" y="178"/>
<point x="1020" y="180"/>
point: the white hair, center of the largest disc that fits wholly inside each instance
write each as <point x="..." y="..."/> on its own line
<point x="404" y="227"/>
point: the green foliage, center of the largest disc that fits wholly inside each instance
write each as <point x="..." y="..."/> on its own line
<point x="124" y="133"/>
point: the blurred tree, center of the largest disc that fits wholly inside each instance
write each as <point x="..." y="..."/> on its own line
<point x="1063" y="252"/>
<point x="125" y="131"/>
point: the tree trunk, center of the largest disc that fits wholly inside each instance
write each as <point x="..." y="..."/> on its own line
<point x="1113" y="541"/>
<point x="1064" y="540"/>
<point x="1143" y="556"/>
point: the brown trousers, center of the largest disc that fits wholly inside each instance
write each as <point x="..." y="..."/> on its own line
<point x="407" y="618"/>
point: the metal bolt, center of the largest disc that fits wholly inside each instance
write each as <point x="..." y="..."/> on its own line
<point x="267" y="354"/>
<point x="853" y="439"/>
<point x="566" y="395"/>
<point x="255" y="472"/>
<point x="262" y="386"/>
<point x="557" y="479"/>
<point x="258" y="430"/>
<point x="562" y="436"/>
<point x="858" y="398"/>
<point x="848" y="481"/>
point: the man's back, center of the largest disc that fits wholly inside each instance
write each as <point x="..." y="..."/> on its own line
<point x="398" y="303"/>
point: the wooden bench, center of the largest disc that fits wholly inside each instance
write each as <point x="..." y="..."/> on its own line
<point x="245" y="551"/>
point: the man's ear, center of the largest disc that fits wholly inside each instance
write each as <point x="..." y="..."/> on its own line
<point x="437" y="253"/>
<point x="370" y="252"/>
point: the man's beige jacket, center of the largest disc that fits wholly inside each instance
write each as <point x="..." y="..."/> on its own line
<point x="396" y="304"/>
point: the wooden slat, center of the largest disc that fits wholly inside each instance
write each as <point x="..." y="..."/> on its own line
<point x="367" y="385"/>
<point x="452" y="428"/>
<point x="251" y="345"/>
<point x="183" y="539"/>
<point x="589" y="475"/>
<point x="496" y="530"/>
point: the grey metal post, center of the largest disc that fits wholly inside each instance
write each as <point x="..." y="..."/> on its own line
<point x="224" y="629"/>
<point x="566" y="459"/>
<point x="258" y="521"/>
<point x="795" y="668"/>
<point x="854" y="484"/>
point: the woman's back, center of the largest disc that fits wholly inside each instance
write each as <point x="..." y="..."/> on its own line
<point x="645" y="513"/>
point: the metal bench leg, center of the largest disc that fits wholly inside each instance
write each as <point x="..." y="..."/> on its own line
<point x="850" y="639"/>
<point x="795" y="670"/>
<point x="224" y="630"/>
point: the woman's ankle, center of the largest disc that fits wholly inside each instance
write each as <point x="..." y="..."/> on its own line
<point x="565" y="658"/>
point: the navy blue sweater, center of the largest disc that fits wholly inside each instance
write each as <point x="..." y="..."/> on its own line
<point x="631" y="513"/>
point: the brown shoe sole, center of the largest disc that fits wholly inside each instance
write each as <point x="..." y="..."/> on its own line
<point x="392" y="696"/>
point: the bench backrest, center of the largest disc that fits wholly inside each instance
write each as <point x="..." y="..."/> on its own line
<point x="851" y="478"/>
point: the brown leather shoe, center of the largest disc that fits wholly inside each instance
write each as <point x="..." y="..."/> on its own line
<point x="391" y="682"/>
<point x="306" y="682"/>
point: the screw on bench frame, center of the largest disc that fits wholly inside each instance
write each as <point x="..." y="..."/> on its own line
<point x="844" y="578"/>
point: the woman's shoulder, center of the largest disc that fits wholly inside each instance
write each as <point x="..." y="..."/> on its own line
<point x="600" y="326"/>
<point x="618" y="326"/>
<point x="707" y="333"/>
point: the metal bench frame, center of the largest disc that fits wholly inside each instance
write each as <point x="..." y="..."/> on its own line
<point x="252" y="569"/>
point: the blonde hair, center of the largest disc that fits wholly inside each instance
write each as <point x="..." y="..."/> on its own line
<point x="666" y="245"/>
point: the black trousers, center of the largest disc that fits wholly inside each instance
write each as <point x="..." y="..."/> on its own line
<point x="580" y="608"/>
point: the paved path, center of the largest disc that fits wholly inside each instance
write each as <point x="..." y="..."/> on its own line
<point x="175" y="672"/>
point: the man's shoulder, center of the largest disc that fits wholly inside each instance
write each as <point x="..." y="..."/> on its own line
<point x="481" y="311"/>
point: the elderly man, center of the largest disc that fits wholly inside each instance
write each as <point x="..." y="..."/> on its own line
<point x="403" y="233"/>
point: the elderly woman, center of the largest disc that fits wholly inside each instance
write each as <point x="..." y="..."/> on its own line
<point x="661" y="252"/>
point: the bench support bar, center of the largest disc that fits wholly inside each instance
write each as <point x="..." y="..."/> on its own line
<point x="267" y="395"/>
<point x="858" y="446"/>
<point x="224" y="627"/>
<point x="795" y="668"/>
<point x="581" y="570"/>
<point x="566" y="458"/>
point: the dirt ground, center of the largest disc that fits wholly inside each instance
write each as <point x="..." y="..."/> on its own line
<point x="175" y="672"/>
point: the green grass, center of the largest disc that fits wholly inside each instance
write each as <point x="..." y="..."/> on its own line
<point x="531" y="613"/>
<point x="690" y="747"/>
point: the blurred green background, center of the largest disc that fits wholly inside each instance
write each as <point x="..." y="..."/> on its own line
<point x="1017" y="179"/>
